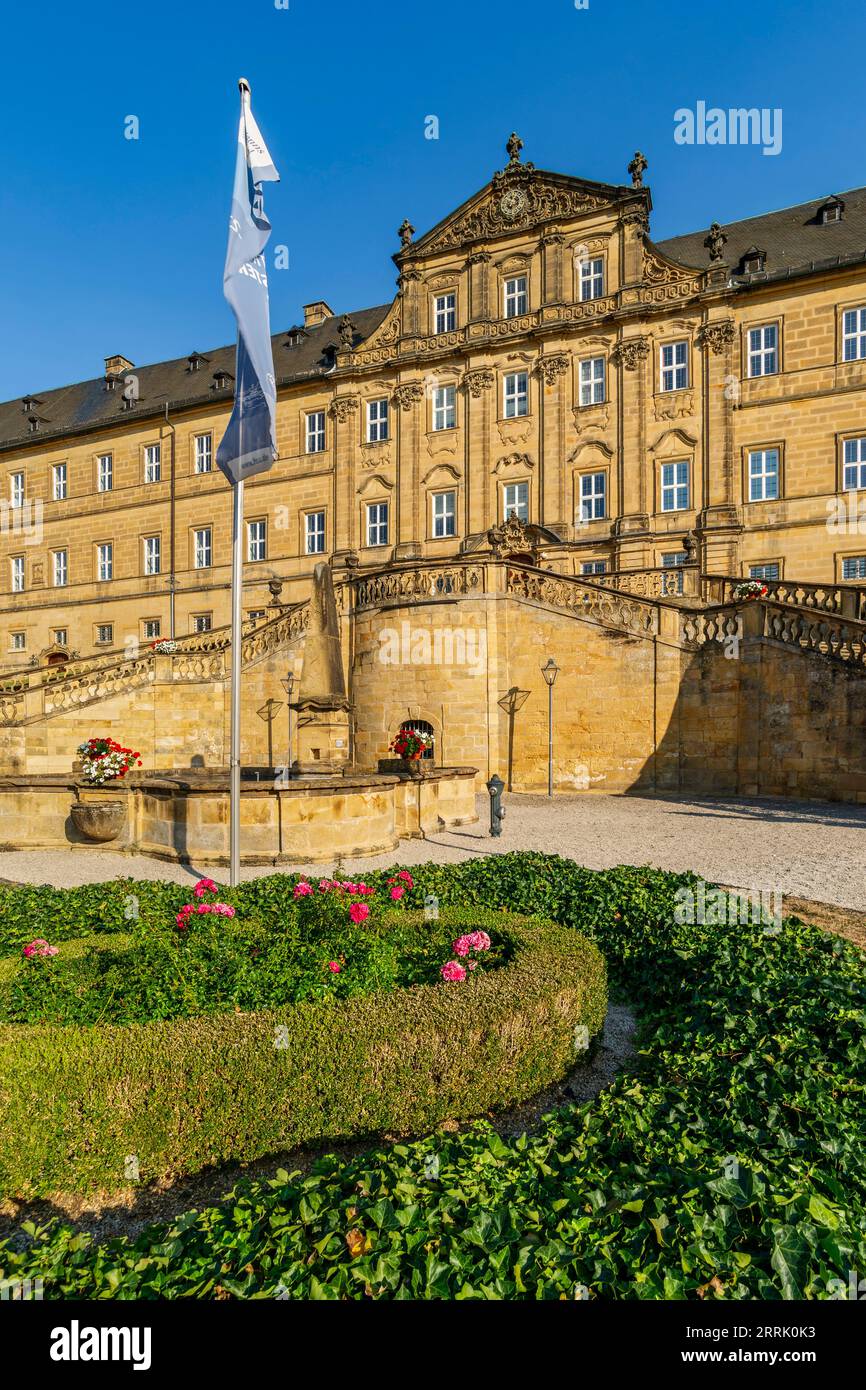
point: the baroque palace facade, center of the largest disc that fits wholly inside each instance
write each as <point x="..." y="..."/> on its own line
<point x="638" y="404"/>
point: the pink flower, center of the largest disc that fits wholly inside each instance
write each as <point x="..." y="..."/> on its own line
<point x="453" y="970"/>
<point x="407" y="878"/>
<point x="397" y="893"/>
<point x="479" y="941"/>
<point x="303" y="889"/>
<point x="473" y="965"/>
<point x="334" y="967"/>
<point x="39" y="947"/>
<point x="462" y="946"/>
<point x="204" y="885"/>
<point x="358" y="912"/>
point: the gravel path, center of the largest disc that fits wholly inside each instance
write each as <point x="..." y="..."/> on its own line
<point x="814" y="850"/>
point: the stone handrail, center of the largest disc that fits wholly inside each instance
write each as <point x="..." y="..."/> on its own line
<point x="417" y="583"/>
<point x="654" y="582"/>
<point x="846" y="600"/>
<point x="822" y="633"/>
<point x="584" y="599"/>
<point x="98" y="684"/>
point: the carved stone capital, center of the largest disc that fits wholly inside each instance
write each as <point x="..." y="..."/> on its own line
<point x="407" y="394"/>
<point x="478" y="380"/>
<point x="480" y="258"/>
<point x="636" y="222"/>
<point x="342" y="407"/>
<point x="631" y="352"/>
<point x="717" y="336"/>
<point x="554" y="365"/>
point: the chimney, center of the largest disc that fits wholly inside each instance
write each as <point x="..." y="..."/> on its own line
<point x="117" y="365"/>
<point x="316" y="313"/>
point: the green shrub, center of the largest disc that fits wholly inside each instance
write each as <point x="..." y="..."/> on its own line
<point x="182" y="1094"/>
<point x="727" y="1160"/>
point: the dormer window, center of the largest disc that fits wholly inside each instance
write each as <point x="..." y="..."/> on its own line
<point x="754" y="261"/>
<point x="28" y="403"/>
<point x="33" y="422"/>
<point x="194" y="361"/>
<point x="831" y="211"/>
<point x="295" y="337"/>
<point x="221" y="380"/>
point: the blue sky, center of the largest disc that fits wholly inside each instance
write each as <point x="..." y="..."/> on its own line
<point x="114" y="245"/>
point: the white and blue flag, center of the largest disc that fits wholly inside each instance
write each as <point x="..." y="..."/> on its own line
<point x="249" y="444"/>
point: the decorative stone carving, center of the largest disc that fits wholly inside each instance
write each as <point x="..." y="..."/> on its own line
<point x="552" y="366"/>
<point x="478" y="380"/>
<point x="636" y="222"/>
<point x="347" y="333"/>
<point x="521" y="461"/>
<point x="323" y="684"/>
<point x="630" y="353"/>
<point x="715" y="243"/>
<point x="637" y="167"/>
<point x="671" y="405"/>
<point x="342" y="407"/>
<point x="405" y="232"/>
<point x="521" y="198"/>
<point x="510" y="537"/>
<point x="408" y="393"/>
<point x="515" y="430"/>
<point x="717" y="336"/>
<point x="513" y="146"/>
<point x="591" y="417"/>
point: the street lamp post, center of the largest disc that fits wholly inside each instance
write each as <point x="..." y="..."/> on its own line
<point x="288" y="683"/>
<point x="550" y="673"/>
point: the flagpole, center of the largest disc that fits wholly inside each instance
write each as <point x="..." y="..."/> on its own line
<point x="235" y="695"/>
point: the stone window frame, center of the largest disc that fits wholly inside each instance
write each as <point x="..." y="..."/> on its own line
<point x="748" y="565"/>
<point x="672" y="339"/>
<point x="368" y="423"/>
<point x="103" y="641"/>
<point x="365" y="518"/>
<point x="60" y="636"/>
<point x="252" y="521"/>
<point x="504" y="374"/>
<point x="579" y="475"/>
<point x="61" y="550"/>
<point x="443" y="386"/>
<point x="150" y="636"/>
<point x="22" y="474"/>
<point x="97" y="546"/>
<point x="194" y="618"/>
<point x="452" y="490"/>
<point x="193" y="531"/>
<point x="303" y="514"/>
<point x="443" y="293"/>
<point x="97" y="471"/>
<point x="838" y="561"/>
<point x="586" y="570"/>
<point x="689" y="460"/>
<point x="306" y="433"/>
<point x="842" y="438"/>
<point x="516" y="482"/>
<point x="841" y="310"/>
<point x="597" y="255"/>
<point x="195" y="436"/>
<point x="150" y="536"/>
<point x="592" y="357"/>
<point x="12" y="560"/>
<point x="22" y="647"/>
<point x="507" y="277"/>
<point x="64" y="464"/>
<point x="757" y="448"/>
<point x="776" y="321"/>
<point x="151" y="482"/>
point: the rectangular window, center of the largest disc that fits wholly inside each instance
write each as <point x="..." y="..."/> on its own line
<point x="855" y="463"/>
<point x="19" y="641"/>
<point x="104" y="473"/>
<point x="675" y="487"/>
<point x="593" y="496"/>
<point x="515" y="296"/>
<point x="202" y="622"/>
<point x="153" y="463"/>
<point x="152" y="554"/>
<point x="763" y="350"/>
<point x="515" y="501"/>
<point x="16" y="489"/>
<point x="377" y="523"/>
<point x="17" y="567"/>
<point x="763" y="475"/>
<point x="316" y="432"/>
<point x="444" y="408"/>
<point x="60" y="636"/>
<point x="854" y="567"/>
<point x="256" y="615"/>
<point x="591" y="380"/>
<point x="105" y="634"/>
<point x="203" y="446"/>
<point x="594" y="567"/>
<point x="104" y="561"/>
<point x="445" y="313"/>
<point x="592" y="278"/>
<point x="257" y="540"/>
<point x="377" y="421"/>
<point x="853" y="334"/>
<point x="674" y="366"/>
<point x="444" y="514"/>
<point x="152" y="628"/>
<point x="314" y="533"/>
<point x="516" y="394"/>
<point x="672" y="558"/>
<point x="764" y="571"/>
<point x="58" y="477"/>
<point x="203" y="549"/>
<point x="60" y="568"/>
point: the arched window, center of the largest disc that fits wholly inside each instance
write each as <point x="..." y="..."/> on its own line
<point x="422" y="727"/>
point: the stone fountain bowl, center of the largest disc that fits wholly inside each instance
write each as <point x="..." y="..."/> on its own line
<point x="99" y="820"/>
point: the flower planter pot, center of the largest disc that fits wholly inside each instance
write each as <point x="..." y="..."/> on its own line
<point x="99" y="820"/>
<point x="407" y="767"/>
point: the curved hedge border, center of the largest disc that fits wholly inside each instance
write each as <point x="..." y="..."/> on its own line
<point x="727" y="1160"/>
<point x="180" y="1095"/>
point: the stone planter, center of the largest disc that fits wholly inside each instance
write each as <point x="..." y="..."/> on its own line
<point x="99" y="820"/>
<point x="407" y="767"/>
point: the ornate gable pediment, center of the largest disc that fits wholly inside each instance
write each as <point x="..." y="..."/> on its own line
<point x="517" y="198"/>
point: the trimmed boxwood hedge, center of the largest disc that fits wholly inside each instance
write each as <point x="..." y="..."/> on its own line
<point x="183" y="1094"/>
<point x="726" y="1161"/>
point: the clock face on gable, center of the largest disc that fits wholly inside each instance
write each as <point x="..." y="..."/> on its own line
<point x="512" y="204"/>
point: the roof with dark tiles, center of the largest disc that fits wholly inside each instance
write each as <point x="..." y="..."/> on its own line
<point x="299" y="354"/>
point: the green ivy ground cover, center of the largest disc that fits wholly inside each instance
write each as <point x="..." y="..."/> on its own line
<point x="727" y="1160"/>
